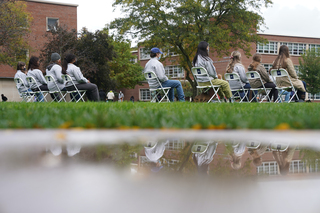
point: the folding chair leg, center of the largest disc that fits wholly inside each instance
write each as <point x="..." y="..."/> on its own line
<point x="215" y="94"/>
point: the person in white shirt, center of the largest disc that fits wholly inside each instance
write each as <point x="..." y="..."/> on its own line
<point x="79" y="80"/>
<point x="110" y="96"/>
<point x="121" y="96"/>
<point x="21" y="73"/>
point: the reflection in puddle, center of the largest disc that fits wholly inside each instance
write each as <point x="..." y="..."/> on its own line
<point x="172" y="173"/>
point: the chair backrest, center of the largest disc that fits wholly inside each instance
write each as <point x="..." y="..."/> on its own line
<point x="231" y="77"/>
<point x="50" y="79"/>
<point x="31" y="81"/>
<point x="149" y="75"/>
<point x="19" y="82"/>
<point x="66" y="78"/>
<point x="253" y="75"/>
<point x="276" y="73"/>
<point x="199" y="147"/>
<point x="199" y="71"/>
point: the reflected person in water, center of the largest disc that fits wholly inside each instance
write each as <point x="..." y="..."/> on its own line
<point x="236" y="155"/>
<point x="257" y="152"/>
<point x="284" y="158"/>
<point x="154" y="153"/>
<point x="203" y="159"/>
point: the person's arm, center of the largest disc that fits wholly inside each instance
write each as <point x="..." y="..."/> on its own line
<point x="58" y="73"/>
<point x="160" y="72"/>
<point x="78" y="74"/>
<point x="40" y="77"/>
<point x="290" y="69"/>
<point x="264" y="75"/>
<point x="211" y="69"/>
<point x="242" y="74"/>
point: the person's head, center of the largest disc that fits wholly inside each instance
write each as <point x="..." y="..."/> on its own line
<point x="34" y="63"/>
<point x="234" y="59"/>
<point x="256" y="60"/>
<point x="69" y="58"/>
<point x="155" y="52"/>
<point x="21" y="66"/>
<point x="55" y="57"/>
<point x="203" y="50"/>
<point x="280" y="61"/>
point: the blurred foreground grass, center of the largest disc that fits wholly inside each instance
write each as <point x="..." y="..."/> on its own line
<point x="165" y="115"/>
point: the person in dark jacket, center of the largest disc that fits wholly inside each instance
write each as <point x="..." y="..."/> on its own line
<point x="102" y="95"/>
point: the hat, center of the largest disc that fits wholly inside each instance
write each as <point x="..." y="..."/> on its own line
<point x="55" y="57"/>
<point x="156" y="50"/>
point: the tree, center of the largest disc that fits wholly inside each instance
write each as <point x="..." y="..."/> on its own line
<point x="102" y="59"/>
<point x="179" y="26"/>
<point x="309" y="70"/>
<point x="124" y="70"/>
<point x="14" y="26"/>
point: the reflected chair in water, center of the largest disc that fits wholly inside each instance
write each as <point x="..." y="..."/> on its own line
<point x="202" y="72"/>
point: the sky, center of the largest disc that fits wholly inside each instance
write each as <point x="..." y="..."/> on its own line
<point x="284" y="17"/>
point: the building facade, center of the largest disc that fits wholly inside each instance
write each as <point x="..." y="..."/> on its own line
<point x="269" y="51"/>
<point x="46" y="15"/>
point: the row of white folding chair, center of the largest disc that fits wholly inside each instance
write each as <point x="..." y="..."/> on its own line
<point x="150" y="75"/>
<point x="251" y="75"/>
<point x="26" y="96"/>
<point x="202" y="72"/>
<point x="76" y="95"/>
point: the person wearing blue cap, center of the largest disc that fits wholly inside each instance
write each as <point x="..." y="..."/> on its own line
<point x="154" y="65"/>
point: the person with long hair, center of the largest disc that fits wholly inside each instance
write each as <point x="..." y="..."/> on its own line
<point x="35" y="72"/>
<point x="202" y="59"/>
<point x="235" y="66"/>
<point x="79" y="80"/>
<point x="21" y="73"/>
<point x="256" y="83"/>
<point x="157" y="67"/>
<point x="283" y="61"/>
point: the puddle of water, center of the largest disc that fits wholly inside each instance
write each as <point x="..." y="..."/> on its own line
<point x="159" y="172"/>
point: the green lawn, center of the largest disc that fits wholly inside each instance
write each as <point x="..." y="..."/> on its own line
<point x="164" y="115"/>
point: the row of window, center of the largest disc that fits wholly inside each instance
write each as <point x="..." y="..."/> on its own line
<point x="145" y="53"/>
<point x="296" y="166"/>
<point x="294" y="48"/>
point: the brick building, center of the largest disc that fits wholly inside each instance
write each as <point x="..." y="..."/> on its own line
<point x="45" y="15"/>
<point x="297" y="45"/>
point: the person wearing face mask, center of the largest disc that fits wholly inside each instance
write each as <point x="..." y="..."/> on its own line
<point x="21" y="73"/>
<point x="154" y="65"/>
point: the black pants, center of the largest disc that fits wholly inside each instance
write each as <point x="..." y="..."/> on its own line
<point x="273" y="92"/>
<point x="92" y="90"/>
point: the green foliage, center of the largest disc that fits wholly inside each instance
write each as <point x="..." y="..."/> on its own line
<point x="179" y="26"/>
<point x="124" y="70"/>
<point x="14" y="26"/>
<point x="310" y="70"/>
<point x="102" y="59"/>
<point x="165" y="115"/>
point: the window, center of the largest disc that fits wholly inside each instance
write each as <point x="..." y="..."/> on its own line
<point x="316" y="96"/>
<point x="145" y="95"/>
<point x="315" y="168"/>
<point x="175" y="145"/>
<point x="270" y="48"/>
<point x="174" y="71"/>
<point x="144" y="54"/>
<point x="295" y="48"/>
<point x="268" y="168"/>
<point x="315" y="46"/>
<point x="52" y="23"/>
<point x="297" y="166"/>
<point x="267" y="66"/>
<point x="297" y="69"/>
<point x="170" y="162"/>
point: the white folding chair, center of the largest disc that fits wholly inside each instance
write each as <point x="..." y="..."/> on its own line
<point x="255" y="75"/>
<point x="235" y="77"/>
<point x="202" y="147"/>
<point x="67" y="78"/>
<point x="149" y="75"/>
<point x="51" y="80"/>
<point x="276" y="73"/>
<point x="26" y="96"/>
<point x="31" y="81"/>
<point x="200" y="71"/>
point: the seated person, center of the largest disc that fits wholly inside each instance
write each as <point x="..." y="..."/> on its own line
<point x="235" y="66"/>
<point x="21" y="73"/>
<point x="283" y="61"/>
<point x="202" y="59"/>
<point x="154" y="65"/>
<point x="256" y="83"/>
